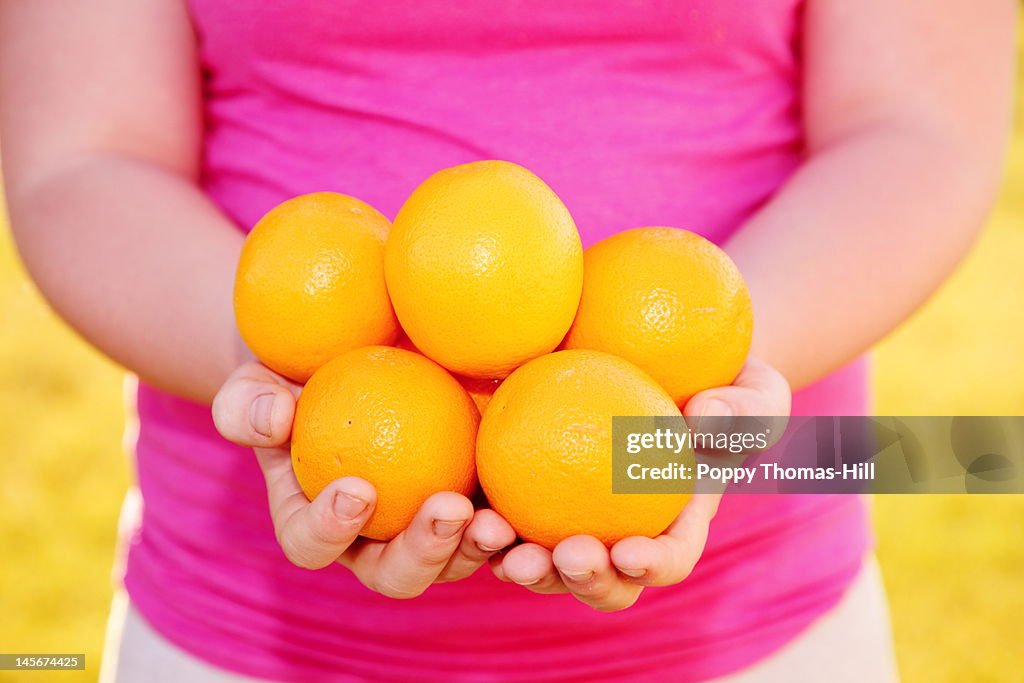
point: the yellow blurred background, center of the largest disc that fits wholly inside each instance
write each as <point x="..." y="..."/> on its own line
<point x="954" y="565"/>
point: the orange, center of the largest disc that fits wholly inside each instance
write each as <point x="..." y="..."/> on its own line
<point x="392" y="417"/>
<point x="480" y="390"/>
<point x="670" y="302"/>
<point x="544" y="449"/>
<point x="310" y="283"/>
<point x="485" y="267"/>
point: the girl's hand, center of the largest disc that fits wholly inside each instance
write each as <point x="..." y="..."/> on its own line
<point x="446" y="541"/>
<point x="613" y="580"/>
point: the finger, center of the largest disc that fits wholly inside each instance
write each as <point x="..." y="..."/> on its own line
<point x="255" y="407"/>
<point x="486" y="534"/>
<point x="409" y="563"/>
<point x="758" y="402"/>
<point x="313" y="535"/>
<point x="759" y="390"/>
<point x="587" y="571"/>
<point x="530" y="565"/>
<point x="495" y="562"/>
<point x="671" y="557"/>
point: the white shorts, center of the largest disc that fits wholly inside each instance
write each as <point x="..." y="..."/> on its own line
<point x="852" y="643"/>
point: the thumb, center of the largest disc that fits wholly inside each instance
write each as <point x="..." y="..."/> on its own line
<point x="759" y="400"/>
<point x="759" y="390"/>
<point x="254" y="409"/>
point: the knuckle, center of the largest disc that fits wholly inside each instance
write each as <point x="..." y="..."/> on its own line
<point x="672" y="576"/>
<point x="608" y="608"/>
<point x="327" y="529"/>
<point x="431" y="555"/>
<point x="593" y="591"/>
<point x="449" y="577"/>
<point x="457" y="571"/>
<point x="395" y="591"/>
<point x="687" y="569"/>
<point x="621" y="601"/>
<point x="679" y="565"/>
<point x="296" y="555"/>
<point x="614" y="606"/>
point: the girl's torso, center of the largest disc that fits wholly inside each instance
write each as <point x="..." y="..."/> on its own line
<point x="636" y="113"/>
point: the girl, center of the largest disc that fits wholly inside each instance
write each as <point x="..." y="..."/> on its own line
<point x="844" y="153"/>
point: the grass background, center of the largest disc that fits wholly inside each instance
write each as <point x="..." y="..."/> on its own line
<point x="953" y="565"/>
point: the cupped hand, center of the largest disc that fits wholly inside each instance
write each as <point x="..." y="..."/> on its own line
<point x="611" y="580"/>
<point x="446" y="541"/>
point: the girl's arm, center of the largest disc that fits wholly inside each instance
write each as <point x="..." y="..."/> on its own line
<point x="907" y="110"/>
<point x="100" y="119"/>
<point x="906" y="107"/>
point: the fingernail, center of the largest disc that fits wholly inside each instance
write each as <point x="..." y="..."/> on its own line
<point x="579" y="576"/>
<point x="446" y="528"/>
<point x="635" y="573"/>
<point x="261" y="414"/>
<point x="487" y="548"/>
<point x="348" y="507"/>
<point x="527" y="583"/>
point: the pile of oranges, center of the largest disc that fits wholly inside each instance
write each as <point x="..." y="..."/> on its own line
<point x="475" y="341"/>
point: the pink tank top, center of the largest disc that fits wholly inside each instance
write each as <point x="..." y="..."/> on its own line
<point x="639" y="113"/>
